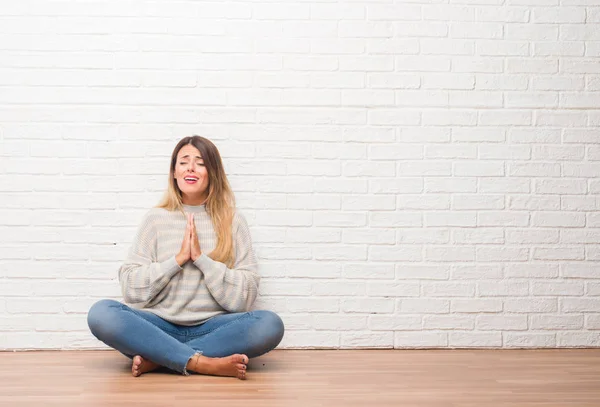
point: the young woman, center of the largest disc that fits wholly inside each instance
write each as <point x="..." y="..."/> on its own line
<point x="189" y="279"/>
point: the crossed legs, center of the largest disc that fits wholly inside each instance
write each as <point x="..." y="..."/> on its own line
<point x="221" y="346"/>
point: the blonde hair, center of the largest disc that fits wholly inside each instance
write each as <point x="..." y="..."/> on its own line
<point x="220" y="204"/>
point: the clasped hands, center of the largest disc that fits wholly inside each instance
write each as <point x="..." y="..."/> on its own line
<point x="190" y="248"/>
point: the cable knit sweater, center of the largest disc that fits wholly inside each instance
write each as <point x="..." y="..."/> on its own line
<point x="152" y="280"/>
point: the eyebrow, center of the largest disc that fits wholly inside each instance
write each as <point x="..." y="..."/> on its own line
<point x="187" y="156"/>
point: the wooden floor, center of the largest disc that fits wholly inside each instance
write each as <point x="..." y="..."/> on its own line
<point x="469" y="378"/>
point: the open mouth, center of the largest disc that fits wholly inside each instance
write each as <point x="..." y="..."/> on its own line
<point x="190" y="180"/>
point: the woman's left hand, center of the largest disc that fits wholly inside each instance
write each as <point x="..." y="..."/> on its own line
<point x="195" y="244"/>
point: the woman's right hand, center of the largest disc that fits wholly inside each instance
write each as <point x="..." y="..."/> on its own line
<point x="185" y="253"/>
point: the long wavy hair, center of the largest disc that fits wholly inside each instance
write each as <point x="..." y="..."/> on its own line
<point x="220" y="204"/>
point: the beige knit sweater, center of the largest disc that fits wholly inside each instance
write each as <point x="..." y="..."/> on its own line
<point x="152" y="280"/>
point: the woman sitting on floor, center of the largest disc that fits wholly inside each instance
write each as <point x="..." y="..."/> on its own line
<point x="189" y="279"/>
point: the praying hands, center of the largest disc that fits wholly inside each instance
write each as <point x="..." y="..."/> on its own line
<point x="190" y="248"/>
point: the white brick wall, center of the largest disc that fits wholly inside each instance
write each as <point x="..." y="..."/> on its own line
<point x="416" y="173"/>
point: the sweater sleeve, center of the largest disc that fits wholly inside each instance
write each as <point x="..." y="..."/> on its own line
<point x="235" y="289"/>
<point x="141" y="276"/>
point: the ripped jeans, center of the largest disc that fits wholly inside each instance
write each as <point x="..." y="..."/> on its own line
<point x="137" y="332"/>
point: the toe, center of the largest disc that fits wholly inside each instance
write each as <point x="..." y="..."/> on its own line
<point x="241" y="366"/>
<point x="241" y="359"/>
<point x="135" y="366"/>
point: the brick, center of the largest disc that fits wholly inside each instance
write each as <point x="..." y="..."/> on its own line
<point x="314" y="304"/>
<point x="357" y="340"/>
<point x="517" y="152"/>
<point x="562" y="253"/>
<point x="395" y="185"/>
<point x="502" y="322"/>
<point x="368" y="305"/>
<point x="393" y="46"/>
<point x="339" y="322"/>
<point x="526" y="236"/>
<point x="424" y="306"/>
<point x="339" y="219"/>
<point x="411" y="271"/>
<point x="311" y="340"/>
<point x="478" y="64"/>
<point x="368" y="236"/>
<point x="532" y="270"/>
<point x="338" y="288"/>
<point x="502" y="288"/>
<point x="448" y="81"/>
<point x="454" y="184"/>
<point x="393" y="12"/>
<point x="387" y="289"/>
<point x="580" y="203"/>
<point x="395" y="152"/>
<point x="450" y="151"/>
<point x="420" y="340"/>
<point x="449" y="254"/>
<point x="478" y="305"/>
<point x="378" y="80"/>
<point x="504" y="185"/>
<point x="312" y="235"/>
<point x="451" y="322"/>
<point x="558" y="219"/>
<point x="579" y="270"/>
<point x="529" y="340"/>
<point x="425" y="235"/>
<point x="497" y="82"/>
<point x="397" y="219"/>
<point x="448" y="289"/>
<point x="534" y="202"/>
<point x="530" y="305"/>
<point x="475" y="339"/>
<point x="558" y="48"/>
<point x="450" y="218"/>
<point x="369" y="271"/>
<point x="420" y="29"/>
<point x="558" y="288"/>
<point x="428" y="201"/>
<point x="556" y="322"/>
<point x="476" y="272"/>
<point x="577" y="339"/>
<point x="469" y="202"/>
<point x="384" y="253"/>
<point x="340" y="252"/>
<point x="534" y="135"/>
<point x="504" y="218"/>
<point x="476" y="30"/>
<point x="534" y="169"/>
<point x="312" y="270"/>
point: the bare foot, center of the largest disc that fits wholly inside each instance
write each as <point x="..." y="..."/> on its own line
<point x="233" y="366"/>
<point x="141" y="365"/>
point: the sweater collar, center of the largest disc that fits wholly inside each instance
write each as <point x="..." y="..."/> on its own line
<point x="194" y="208"/>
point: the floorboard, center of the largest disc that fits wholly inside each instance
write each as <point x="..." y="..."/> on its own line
<point x="425" y="378"/>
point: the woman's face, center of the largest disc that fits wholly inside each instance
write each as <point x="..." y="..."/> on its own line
<point x="191" y="175"/>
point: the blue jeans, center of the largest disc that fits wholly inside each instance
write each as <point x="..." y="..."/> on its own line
<point x="137" y="332"/>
